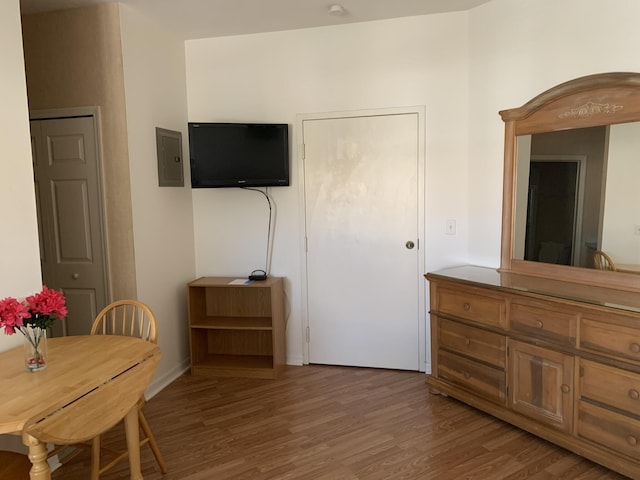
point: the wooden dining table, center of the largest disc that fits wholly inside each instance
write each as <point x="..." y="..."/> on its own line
<point x="76" y="366"/>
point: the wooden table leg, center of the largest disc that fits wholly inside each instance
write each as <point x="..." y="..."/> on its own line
<point x="38" y="456"/>
<point x="133" y="442"/>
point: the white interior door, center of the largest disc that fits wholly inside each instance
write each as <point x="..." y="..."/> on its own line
<point x="362" y="208"/>
<point x="67" y="177"/>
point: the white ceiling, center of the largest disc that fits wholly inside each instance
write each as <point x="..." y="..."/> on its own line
<point x="214" y="18"/>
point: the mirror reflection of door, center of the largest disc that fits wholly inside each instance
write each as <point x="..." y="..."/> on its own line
<point x="552" y="212"/>
<point x="584" y="201"/>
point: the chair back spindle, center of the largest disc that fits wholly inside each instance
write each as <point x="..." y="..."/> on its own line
<point x="126" y="317"/>
<point x="602" y="261"/>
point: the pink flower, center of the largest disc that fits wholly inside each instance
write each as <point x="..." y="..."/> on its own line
<point x="48" y="302"/>
<point x="37" y="310"/>
<point x="12" y="314"/>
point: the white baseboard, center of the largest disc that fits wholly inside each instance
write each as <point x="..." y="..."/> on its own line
<point x="158" y="384"/>
<point x="295" y="360"/>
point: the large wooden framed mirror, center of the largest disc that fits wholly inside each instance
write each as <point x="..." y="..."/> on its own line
<point x="572" y="183"/>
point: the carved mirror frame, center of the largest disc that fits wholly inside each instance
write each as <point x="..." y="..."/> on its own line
<point x="594" y="100"/>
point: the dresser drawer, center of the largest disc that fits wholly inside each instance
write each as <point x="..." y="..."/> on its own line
<point x="610" y="429"/>
<point x="543" y="322"/>
<point x="471" y="306"/>
<point x="487" y="381"/>
<point x="610" y="386"/>
<point x="612" y="339"/>
<point x="474" y="342"/>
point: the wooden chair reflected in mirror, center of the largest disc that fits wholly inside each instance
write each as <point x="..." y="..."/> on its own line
<point x="135" y="319"/>
<point x="602" y="261"/>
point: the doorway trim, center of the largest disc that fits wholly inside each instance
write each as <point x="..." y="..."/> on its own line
<point x="89" y="111"/>
<point x="418" y="110"/>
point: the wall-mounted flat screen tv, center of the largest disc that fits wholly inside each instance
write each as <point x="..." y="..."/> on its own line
<point x="239" y="154"/>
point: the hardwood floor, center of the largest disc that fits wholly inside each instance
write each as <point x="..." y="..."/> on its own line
<point x="334" y="423"/>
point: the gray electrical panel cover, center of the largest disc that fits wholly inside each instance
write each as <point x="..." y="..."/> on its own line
<point x="170" y="164"/>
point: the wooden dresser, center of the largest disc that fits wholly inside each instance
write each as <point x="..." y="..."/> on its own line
<point x="558" y="359"/>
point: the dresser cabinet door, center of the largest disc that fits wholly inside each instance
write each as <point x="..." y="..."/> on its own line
<point x="541" y="384"/>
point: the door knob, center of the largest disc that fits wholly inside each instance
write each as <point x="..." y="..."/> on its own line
<point x="410" y="244"/>
<point x="75" y="276"/>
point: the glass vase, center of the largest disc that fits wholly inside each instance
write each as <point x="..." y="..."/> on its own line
<point x="35" y="348"/>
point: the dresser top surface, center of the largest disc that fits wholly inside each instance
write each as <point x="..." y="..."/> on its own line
<point x="492" y="278"/>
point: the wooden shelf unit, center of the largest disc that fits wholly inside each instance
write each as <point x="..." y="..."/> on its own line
<point x="236" y="330"/>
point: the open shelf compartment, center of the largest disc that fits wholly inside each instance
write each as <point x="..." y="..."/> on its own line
<point x="236" y="329"/>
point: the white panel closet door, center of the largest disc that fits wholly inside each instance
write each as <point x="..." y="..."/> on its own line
<point x="361" y="208"/>
<point x="67" y="176"/>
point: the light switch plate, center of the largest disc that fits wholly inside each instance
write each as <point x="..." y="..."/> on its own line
<point x="450" y="228"/>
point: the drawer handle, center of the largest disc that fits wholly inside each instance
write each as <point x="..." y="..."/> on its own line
<point x="565" y="388"/>
<point x="467" y="375"/>
<point x="631" y="440"/>
<point x="633" y="394"/>
<point x="539" y="324"/>
<point x="467" y="342"/>
<point x="635" y="348"/>
<point x="466" y="306"/>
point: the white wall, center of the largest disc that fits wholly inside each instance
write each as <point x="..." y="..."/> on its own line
<point x="518" y="49"/>
<point x="155" y="89"/>
<point x="19" y="251"/>
<point x="622" y="196"/>
<point x="464" y="67"/>
<point x="273" y="77"/>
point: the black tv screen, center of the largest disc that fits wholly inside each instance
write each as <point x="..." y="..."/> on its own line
<point x="239" y="154"/>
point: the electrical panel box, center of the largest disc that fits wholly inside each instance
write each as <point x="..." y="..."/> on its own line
<point x="170" y="164"/>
